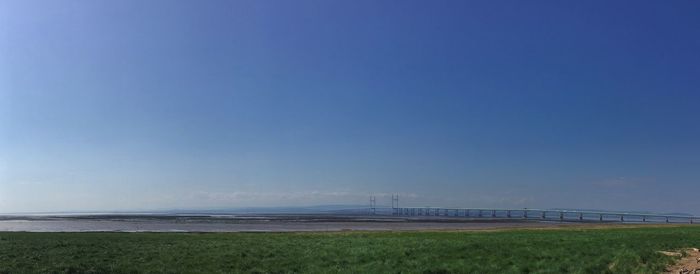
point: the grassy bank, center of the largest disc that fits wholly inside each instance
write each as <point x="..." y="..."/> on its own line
<point x="621" y="250"/>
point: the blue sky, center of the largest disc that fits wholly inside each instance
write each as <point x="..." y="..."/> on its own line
<point x="137" y="105"/>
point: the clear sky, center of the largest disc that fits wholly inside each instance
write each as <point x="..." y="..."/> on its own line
<point x="133" y="105"/>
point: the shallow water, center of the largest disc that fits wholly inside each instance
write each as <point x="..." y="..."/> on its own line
<point x="259" y="224"/>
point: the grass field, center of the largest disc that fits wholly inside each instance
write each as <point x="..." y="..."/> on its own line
<point x="617" y="250"/>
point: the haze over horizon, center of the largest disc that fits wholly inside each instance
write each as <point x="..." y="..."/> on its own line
<point x="143" y="105"/>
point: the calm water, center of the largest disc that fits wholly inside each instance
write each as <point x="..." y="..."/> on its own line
<point x="199" y="224"/>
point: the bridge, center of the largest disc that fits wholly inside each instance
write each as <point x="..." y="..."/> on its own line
<point x="543" y="214"/>
<point x="562" y="215"/>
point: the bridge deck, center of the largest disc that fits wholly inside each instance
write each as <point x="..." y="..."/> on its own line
<point x="540" y="214"/>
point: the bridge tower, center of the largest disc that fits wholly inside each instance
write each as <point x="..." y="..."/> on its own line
<point x="395" y="203"/>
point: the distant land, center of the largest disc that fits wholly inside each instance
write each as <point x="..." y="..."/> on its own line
<point x="348" y="209"/>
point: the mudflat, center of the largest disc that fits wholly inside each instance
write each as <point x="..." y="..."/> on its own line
<point x="255" y="223"/>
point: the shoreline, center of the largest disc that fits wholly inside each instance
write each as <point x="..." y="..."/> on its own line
<point x="278" y="223"/>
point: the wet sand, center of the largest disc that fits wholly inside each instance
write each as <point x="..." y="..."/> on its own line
<point x="278" y="223"/>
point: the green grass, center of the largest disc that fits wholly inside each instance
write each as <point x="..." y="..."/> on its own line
<point x="621" y="250"/>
